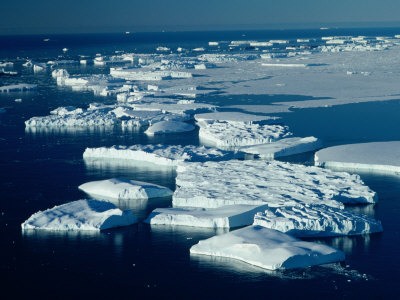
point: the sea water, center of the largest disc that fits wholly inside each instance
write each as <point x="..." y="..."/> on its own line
<point x="42" y="168"/>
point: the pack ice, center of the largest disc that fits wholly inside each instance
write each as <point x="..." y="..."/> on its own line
<point x="80" y="215"/>
<point x="169" y="127"/>
<point x="267" y="248"/>
<point x="312" y="220"/>
<point x="255" y="182"/>
<point x="377" y="157"/>
<point x="226" y="217"/>
<point x="118" y="188"/>
<point x="283" y="147"/>
<point x="162" y="154"/>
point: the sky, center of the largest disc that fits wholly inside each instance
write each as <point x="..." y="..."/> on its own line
<point x="86" y="16"/>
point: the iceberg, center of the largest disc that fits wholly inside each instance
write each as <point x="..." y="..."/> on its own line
<point x="169" y="127"/>
<point x="283" y="147"/>
<point x="117" y="188"/>
<point x="22" y="87"/>
<point x="267" y="248"/>
<point x="222" y="217"/>
<point x="168" y="105"/>
<point x="376" y="157"/>
<point x="312" y="220"/>
<point x="272" y="183"/>
<point x="80" y="215"/>
<point x="162" y="154"/>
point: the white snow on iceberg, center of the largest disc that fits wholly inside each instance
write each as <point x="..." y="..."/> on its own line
<point x="255" y="182"/>
<point x="283" y="147"/>
<point x="162" y="154"/>
<point x="226" y="217"/>
<point x="304" y="220"/>
<point x="80" y="215"/>
<point x="169" y="127"/>
<point x="267" y="248"/>
<point x="117" y="188"/>
<point x="377" y="157"/>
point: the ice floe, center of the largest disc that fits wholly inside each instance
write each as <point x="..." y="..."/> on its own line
<point x="311" y="220"/>
<point x="162" y="154"/>
<point x="22" y="87"/>
<point x="226" y="217"/>
<point x="118" y="188"/>
<point x="80" y="215"/>
<point x="255" y="182"/>
<point x="267" y="248"/>
<point x="376" y="157"/>
<point x="284" y="147"/>
<point x="169" y="127"/>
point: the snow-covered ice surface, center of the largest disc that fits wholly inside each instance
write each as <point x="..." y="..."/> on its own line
<point x="376" y="157"/>
<point x="226" y="217"/>
<point x="80" y="215"/>
<point x="284" y="147"/>
<point x="267" y="248"/>
<point x="255" y="182"/>
<point x="162" y="154"/>
<point x="305" y="220"/>
<point x="118" y="188"/>
<point x="169" y="127"/>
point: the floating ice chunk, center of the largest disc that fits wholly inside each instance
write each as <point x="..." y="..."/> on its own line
<point x="261" y="44"/>
<point x="6" y="64"/>
<point x="213" y="43"/>
<point x="377" y="157"/>
<point x="255" y="182"/>
<point x="116" y="188"/>
<point x="22" y="87"/>
<point x="200" y="67"/>
<point x="60" y="73"/>
<point x="303" y="40"/>
<point x="169" y="127"/>
<point x="161" y="48"/>
<point x="278" y="41"/>
<point x="235" y="117"/>
<point x="285" y="65"/>
<point x="316" y="220"/>
<point x="227" y="216"/>
<point x="10" y="73"/>
<point x="267" y="248"/>
<point x="284" y="147"/>
<point x="135" y="74"/>
<point x="229" y="135"/>
<point x="335" y="41"/>
<point x="28" y="64"/>
<point x="168" y="105"/>
<point x="65" y="49"/>
<point x="198" y="49"/>
<point x="80" y="215"/>
<point x="162" y="154"/>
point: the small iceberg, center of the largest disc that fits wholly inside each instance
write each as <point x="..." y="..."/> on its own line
<point x="305" y="220"/>
<point x="80" y="215"/>
<point x="116" y="188"/>
<point x="377" y="157"/>
<point x="169" y="127"/>
<point x="222" y="217"/>
<point x="268" y="249"/>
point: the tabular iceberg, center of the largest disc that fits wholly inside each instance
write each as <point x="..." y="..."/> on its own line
<point x="117" y="188"/>
<point x="305" y="220"/>
<point x="226" y="217"/>
<point x="80" y="215"/>
<point x="255" y="182"/>
<point x="169" y="127"/>
<point x="162" y="154"/>
<point x="378" y="157"/>
<point x="268" y="249"/>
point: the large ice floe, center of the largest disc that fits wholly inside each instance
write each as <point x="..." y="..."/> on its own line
<point x="267" y="248"/>
<point x="80" y="215"/>
<point x="226" y="216"/>
<point x="162" y="154"/>
<point x="168" y="127"/>
<point x="283" y="147"/>
<point x="118" y="188"/>
<point x="255" y="182"/>
<point x="315" y="220"/>
<point x="376" y="157"/>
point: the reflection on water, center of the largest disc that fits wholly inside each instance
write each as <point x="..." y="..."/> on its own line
<point x="188" y="231"/>
<point x="51" y="234"/>
<point x="364" y="209"/>
<point x="64" y="130"/>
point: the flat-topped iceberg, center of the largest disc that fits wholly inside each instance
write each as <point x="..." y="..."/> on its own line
<point x="268" y="249"/>
<point x="256" y="182"/>
<point x="162" y="154"/>
<point x="22" y="87"/>
<point x="226" y="217"/>
<point x="80" y="215"/>
<point x="169" y="127"/>
<point x="309" y="220"/>
<point x="284" y="147"/>
<point x="117" y="188"/>
<point x="235" y="117"/>
<point x="377" y="157"/>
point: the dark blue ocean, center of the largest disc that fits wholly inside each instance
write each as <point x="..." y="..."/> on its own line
<point x="43" y="168"/>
